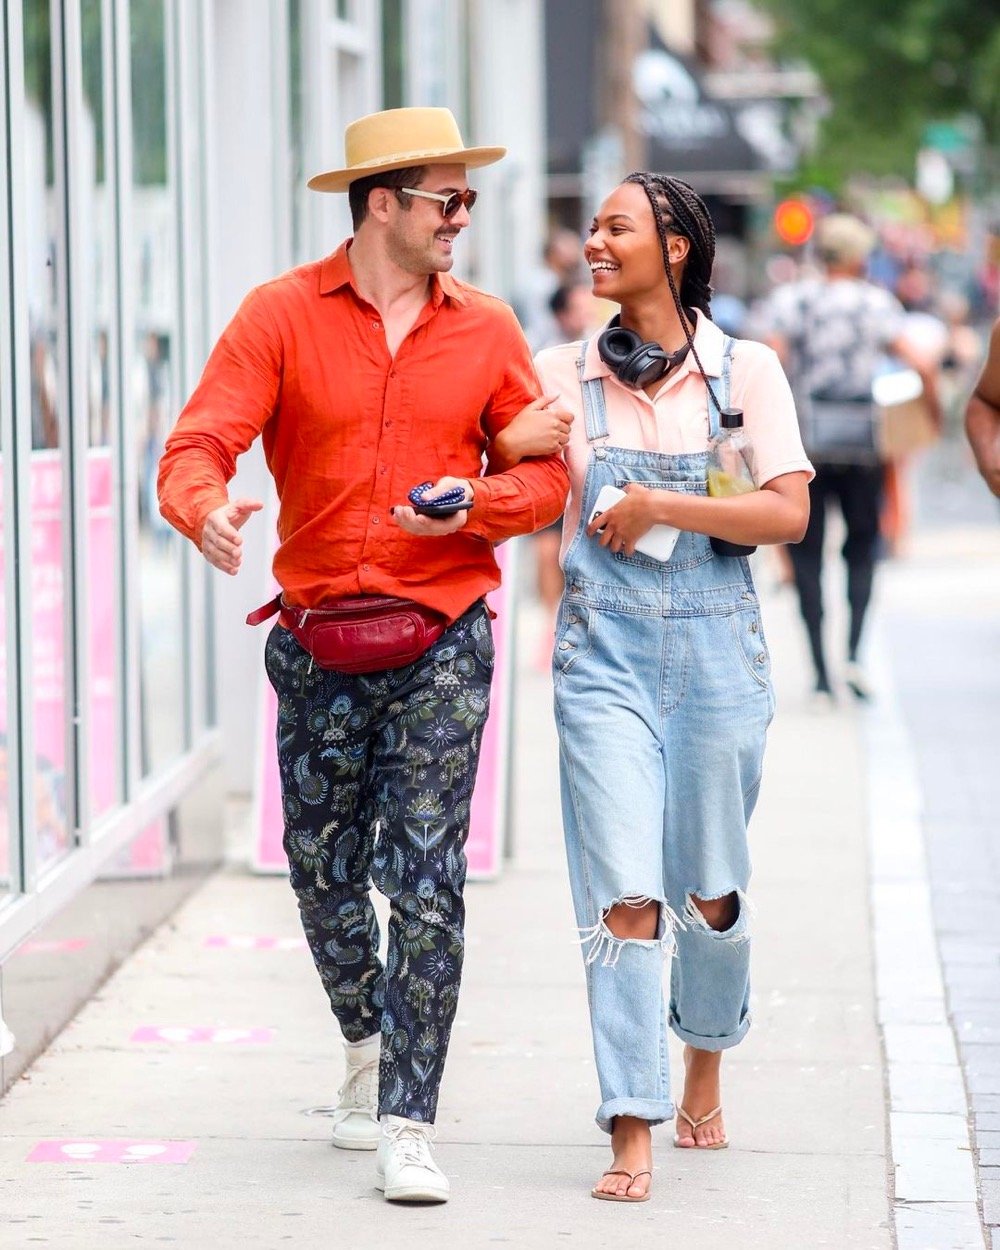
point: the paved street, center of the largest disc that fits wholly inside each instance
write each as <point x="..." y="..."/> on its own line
<point x="941" y="613"/>
<point x="806" y="1099"/>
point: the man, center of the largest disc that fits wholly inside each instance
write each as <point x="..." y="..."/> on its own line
<point x="366" y="374"/>
<point x="575" y="313"/>
<point x="830" y="333"/>
<point x="982" y="416"/>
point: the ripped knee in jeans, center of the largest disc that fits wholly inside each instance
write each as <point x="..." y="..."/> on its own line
<point x="725" y="916"/>
<point x="629" y="920"/>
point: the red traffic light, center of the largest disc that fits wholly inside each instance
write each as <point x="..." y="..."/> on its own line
<point x="793" y="222"/>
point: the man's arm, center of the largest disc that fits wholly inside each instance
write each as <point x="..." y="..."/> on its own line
<point x="531" y="494"/>
<point x="233" y="401"/>
<point x="982" y="416"/>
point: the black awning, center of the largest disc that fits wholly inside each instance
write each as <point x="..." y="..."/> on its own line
<point x="686" y="130"/>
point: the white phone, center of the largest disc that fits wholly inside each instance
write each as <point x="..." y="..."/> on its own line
<point x="658" y="543"/>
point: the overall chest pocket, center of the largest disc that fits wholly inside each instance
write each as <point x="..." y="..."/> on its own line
<point x="691" y="549"/>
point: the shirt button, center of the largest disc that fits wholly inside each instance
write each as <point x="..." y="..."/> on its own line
<point x="753" y="627"/>
<point x="574" y="620"/>
<point x="376" y="325"/>
<point x="366" y="567"/>
<point x="565" y="646"/>
<point x="388" y="425"/>
<point x="374" y="520"/>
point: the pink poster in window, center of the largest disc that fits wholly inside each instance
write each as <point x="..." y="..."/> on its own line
<point x="49" y="673"/>
<point x="484" y="848"/>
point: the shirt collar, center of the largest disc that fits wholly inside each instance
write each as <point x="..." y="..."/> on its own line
<point x="709" y="342"/>
<point x="335" y="272"/>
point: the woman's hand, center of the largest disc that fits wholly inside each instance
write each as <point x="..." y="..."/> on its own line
<point x="538" y="430"/>
<point x="621" y="527"/>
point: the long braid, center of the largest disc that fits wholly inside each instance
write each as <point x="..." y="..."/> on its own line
<point x="689" y="217"/>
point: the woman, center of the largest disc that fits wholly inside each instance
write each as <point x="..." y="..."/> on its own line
<point x="662" y="688"/>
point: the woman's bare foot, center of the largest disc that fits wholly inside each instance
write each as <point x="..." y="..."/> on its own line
<point x="633" y="1152"/>
<point x="702" y="1084"/>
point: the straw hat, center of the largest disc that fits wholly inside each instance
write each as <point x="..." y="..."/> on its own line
<point x="397" y="138"/>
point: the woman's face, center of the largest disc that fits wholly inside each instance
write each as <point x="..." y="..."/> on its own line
<point x="623" y="250"/>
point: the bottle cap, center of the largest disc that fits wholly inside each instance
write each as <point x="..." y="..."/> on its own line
<point x="732" y="418"/>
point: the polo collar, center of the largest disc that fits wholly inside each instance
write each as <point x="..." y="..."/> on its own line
<point x="709" y="342"/>
<point x="335" y="273"/>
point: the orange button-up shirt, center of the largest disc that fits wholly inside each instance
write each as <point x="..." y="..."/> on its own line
<point x="348" y="430"/>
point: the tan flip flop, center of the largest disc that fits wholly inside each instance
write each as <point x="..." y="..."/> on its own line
<point x="719" y="1145"/>
<point x="594" y="1193"/>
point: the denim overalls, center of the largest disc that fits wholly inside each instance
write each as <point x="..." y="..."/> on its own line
<point x="662" y="699"/>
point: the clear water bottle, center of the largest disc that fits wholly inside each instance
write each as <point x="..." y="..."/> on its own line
<point x="730" y="471"/>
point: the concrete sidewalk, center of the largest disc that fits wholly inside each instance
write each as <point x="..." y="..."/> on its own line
<point x="804" y="1094"/>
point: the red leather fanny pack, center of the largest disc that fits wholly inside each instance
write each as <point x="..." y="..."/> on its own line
<point x="360" y="635"/>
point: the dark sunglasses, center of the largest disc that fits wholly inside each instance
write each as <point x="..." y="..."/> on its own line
<point x="450" y="204"/>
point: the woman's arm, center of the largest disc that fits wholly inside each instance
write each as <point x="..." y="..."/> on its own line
<point x="777" y="513"/>
<point x="538" y="430"/>
<point x="982" y="416"/>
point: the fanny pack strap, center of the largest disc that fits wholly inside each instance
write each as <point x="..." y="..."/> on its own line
<point x="264" y="613"/>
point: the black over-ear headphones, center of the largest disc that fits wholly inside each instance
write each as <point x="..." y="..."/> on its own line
<point x="632" y="361"/>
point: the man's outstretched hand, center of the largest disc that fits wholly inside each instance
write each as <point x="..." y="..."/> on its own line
<point x="221" y="544"/>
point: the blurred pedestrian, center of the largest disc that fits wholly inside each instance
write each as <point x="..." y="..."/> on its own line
<point x="661" y="672"/>
<point x="562" y="265"/>
<point x="365" y="373"/>
<point x="574" y="313"/>
<point x="926" y="336"/>
<point x="982" y="416"/>
<point x="831" y="332"/>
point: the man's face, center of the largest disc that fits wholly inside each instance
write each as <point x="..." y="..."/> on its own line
<point x="579" y="315"/>
<point x="420" y="239"/>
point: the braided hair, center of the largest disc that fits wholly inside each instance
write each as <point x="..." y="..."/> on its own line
<point x="679" y="208"/>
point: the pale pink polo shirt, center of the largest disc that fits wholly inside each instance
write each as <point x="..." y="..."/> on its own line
<point x="676" y="420"/>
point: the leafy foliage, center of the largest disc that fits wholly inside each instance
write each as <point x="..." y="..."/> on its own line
<point x="889" y="68"/>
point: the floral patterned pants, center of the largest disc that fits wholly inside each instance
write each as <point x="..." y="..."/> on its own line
<point x="377" y="772"/>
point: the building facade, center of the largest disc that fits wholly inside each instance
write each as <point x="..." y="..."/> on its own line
<point x="156" y="153"/>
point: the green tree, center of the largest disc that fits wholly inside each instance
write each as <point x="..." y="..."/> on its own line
<point x="891" y="67"/>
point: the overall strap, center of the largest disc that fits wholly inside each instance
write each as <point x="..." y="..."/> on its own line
<point x="594" y="410"/>
<point x="717" y="404"/>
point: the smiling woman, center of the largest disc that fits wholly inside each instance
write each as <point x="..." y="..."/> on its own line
<point x="662" y="688"/>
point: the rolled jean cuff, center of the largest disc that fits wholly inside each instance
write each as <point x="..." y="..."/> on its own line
<point x="711" y="1043"/>
<point x="652" y="1109"/>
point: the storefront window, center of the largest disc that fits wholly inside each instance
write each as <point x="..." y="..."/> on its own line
<point x="393" y="76"/>
<point x="151" y="403"/>
<point x="49" y="784"/>
<point x="296" y="121"/>
<point x="7" y="830"/>
<point x="97" y="244"/>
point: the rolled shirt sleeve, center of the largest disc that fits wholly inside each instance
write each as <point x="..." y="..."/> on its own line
<point x="230" y="406"/>
<point x="761" y="389"/>
<point x="533" y="493"/>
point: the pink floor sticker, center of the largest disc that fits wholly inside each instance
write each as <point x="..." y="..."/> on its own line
<point x="54" y="946"/>
<point x="183" y="1035"/>
<point x="129" y="1151"/>
<point x="252" y="942"/>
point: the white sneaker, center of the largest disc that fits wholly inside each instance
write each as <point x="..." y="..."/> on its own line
<point x="857" y="682"/>
<point x="404" y="1168"/>
<point x="355" y="1117"/>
